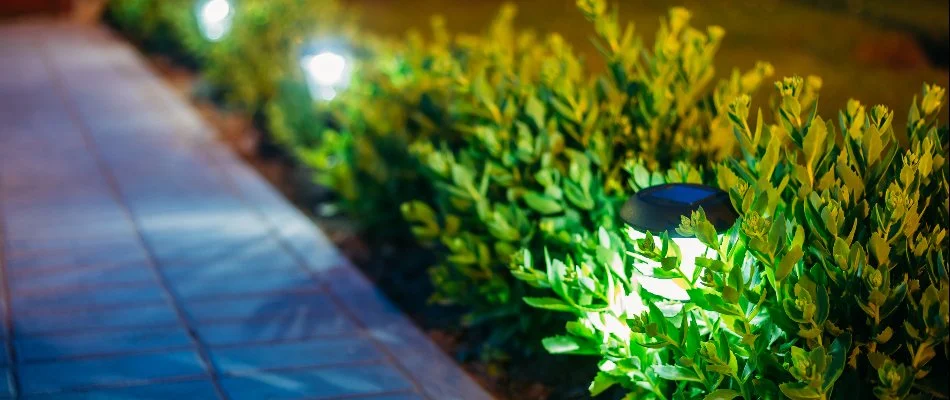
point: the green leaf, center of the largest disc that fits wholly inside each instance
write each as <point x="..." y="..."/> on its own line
<point x="839" y="356"/>
<point x="851" y="179"/>
<point x="730" y="295"/>
<point x="799" y="391"/>
<point x="777" y="234"/>
<point x="548" y="303"/>
<point x="788" y="262"/>
<point x="641" y="176"/>
<point x="675" y="373"/>
<point x="542" y="204"/>
<point x="692" y="338"/>
<point x="706" y="233"/>
<point x="813" y="144"/>
<point x="535" y="110"/>
<point x="567" y="345"/>
<point x="601" y="383"/>
<point x="714" y="302"/>
<point x="880" y="248"/>
<point x="578" y="196"/>
<point x="768" y="162"/>
<point x="722" y="394"/>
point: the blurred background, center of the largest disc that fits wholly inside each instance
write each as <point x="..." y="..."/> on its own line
<point x="879" y="51"/>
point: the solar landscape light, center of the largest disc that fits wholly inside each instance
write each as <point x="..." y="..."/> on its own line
<point x="214" y="18"/>
<point x="327" y="70"/>
<point x="659" y="209"/>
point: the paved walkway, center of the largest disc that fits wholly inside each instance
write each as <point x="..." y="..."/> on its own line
<point x="141" y="259"/>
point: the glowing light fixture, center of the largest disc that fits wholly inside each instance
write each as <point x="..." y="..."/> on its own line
<point x="214" y="18"/>
<point x="327" y="71"/>
<point x="660" y="209"/>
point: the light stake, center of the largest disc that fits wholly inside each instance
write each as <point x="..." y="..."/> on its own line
<point x="659" y="209"/>
<point x="214" y="18"/>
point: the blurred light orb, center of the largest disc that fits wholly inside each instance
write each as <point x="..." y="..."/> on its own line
<point x="326" y="68"/>
<point x="327" y="72"/>
<point x="660" y="209"/>
<point x="216" y="11"/>
<point x="214" y="18"/>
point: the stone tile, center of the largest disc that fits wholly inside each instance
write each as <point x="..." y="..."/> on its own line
<point x="63" y="299"/>
<point x="284" y="281"/>
<point x="310" y="244"/>
<point x="80" y="240"/>
<point x="159" y="213"/>
<point x="72" y="228"/>
<point x="311" y="353"/>
<point x="38" y="262"/>
<point x="277" y="329"/>
<point x="226" y="270"/>
<point x="315" y="383"/>
<point x="33" y="348"/>
<point x="106" y="371"/>
<point x="98" y="319"/>
<point x="437" y="374"/>
<point x="199" y="214"/>
<point x="213" y="244"/>
<point x="197" y="390"/>
<point x="299" y="306"/>
<point x="82" y="277"/>
<point x="260" y="257"/>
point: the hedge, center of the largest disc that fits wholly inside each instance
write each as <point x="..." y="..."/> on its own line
<point x="509" y="159"/>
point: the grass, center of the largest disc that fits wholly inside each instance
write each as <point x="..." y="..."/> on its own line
<point x="796" y="36"/>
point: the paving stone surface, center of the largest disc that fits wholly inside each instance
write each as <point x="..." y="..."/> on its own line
<point x="141" y="259"/>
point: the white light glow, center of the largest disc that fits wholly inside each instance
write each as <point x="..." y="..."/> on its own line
<point x="325" y="93"/>
<point x="214" y="19"/>
<point x="674" y="289"/>
<point x="327" y="73"/>
<point x="326" y="68"/>
<point x="215" y="11"/>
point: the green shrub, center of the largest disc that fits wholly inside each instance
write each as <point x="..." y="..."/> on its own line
<point x="547" y="149"/>
<point x="832" y="284"/>
<point x="357" y="144"/>
<point x="139" y="19"/>
<point x="510" y="160"/>
<point x="151" y="23"/>
<point x="261" y="51"/>
<point x="181" y="20"/>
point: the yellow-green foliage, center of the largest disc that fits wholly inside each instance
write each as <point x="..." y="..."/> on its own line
<point x="358" y="143"/>
<point x="548" y="149"/>
<point x="501" y="150"/>
<point x="832" y="284"/>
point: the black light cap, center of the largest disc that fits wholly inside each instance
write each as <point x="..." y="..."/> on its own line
<point x="659" y="209"/>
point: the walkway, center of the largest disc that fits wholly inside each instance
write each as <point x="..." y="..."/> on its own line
<point x="141" y="259"/>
